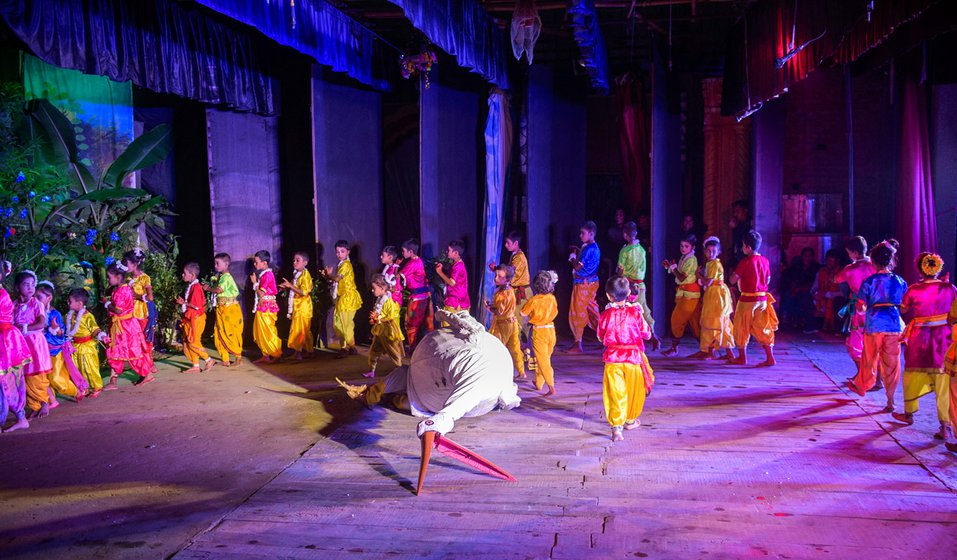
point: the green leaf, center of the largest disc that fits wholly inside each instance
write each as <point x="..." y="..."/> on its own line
<point x="53" y="130"/>
<point x="106" y="195"/>
<point x="141" y="212"/>
<point x="149" y="149"/>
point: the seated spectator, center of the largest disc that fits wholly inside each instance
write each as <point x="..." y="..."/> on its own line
<point x="828" y="298"/>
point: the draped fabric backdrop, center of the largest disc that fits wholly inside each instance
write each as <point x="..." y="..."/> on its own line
<point x="916" y="218"/>
<point x="633" y="142"/>
<point x="498" y="150"/>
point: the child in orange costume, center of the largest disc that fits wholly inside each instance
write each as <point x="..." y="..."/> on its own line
<point x="504" y="325"/>
<point x="754" y="314"/>
<point x="193" y="307"/>
<point x="541" y="310"/>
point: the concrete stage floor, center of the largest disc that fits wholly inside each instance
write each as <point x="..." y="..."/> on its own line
<point x="249" y="463"/>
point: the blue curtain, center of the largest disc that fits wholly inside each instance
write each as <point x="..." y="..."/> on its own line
<point x="463" y="29"/>
<point x="583" y="20"/>
<point x="315" y="28"/>
<point x="498" y="151"/>
<point x="161" y="45"/>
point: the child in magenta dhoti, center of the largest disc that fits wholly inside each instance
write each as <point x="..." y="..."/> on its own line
<point x="418" y="316"/>
<point x="127" y="341"/>
<point x="31" y="318"/>
<point x="14" y="357"/>
<point x="880" y="297"/>
<point x="457" y="281"/>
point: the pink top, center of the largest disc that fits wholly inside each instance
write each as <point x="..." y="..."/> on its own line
<point x="855" y="274"/>
<point x="27" y="313"/>
<point x="391" y="271"/>
<point x="457" y="296"/>
<point x="926" y="299"/>
<point x="267" y="284"/>
<point x="753" y="271"/>
<point x="14" y="352"/>
<point x="127" y="341"/>
<point x="6" y="308"/>
<point x="121" y="302"/>
<point x="623" y="331"/>
<point x="414" y="271"/>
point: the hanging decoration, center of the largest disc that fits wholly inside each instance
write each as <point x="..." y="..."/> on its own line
<point x="526" y="27"/>
<point x="415" y="64"/>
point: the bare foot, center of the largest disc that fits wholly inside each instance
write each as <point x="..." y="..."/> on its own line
<point x="95" y="394"/>
<point x="54" y="403"/>
<point x="739" y="361"/>
<point x="766" y="363"/>
<point x="633" y="424"/>
<point x="574" y="349"/>
<point x="297" y="356"/>
<point x="550" y="392"/>
<point x="264" y="360"/>
<point x="194" y="369"/>
<point x="21" y="424"/>
<point x="209" y="364"/>
<point x="111" y="386"/>
<point x="616" y="434"/>
<point x="239" y="360"/>
<point x="353" y="350"/>
<point x="904" y="417"/>
<point x="154" y="369"/>
<point x="145" y="380"/>
<point x="227" y="364"/>
<point x="369" y="374"/>
<point x="942" y="432"/>
<point x="702" y="355"/>
<point x="850" y="385"/>
<point x="655" y="342"/>
<point x="952" y="447"/>
<point x="671" y="351"/>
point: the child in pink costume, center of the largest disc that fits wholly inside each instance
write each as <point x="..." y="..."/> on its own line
<point x="854" y="275"/>
<point x="14" y="357"/>
<point x="30" y="318"/>
<point x="127" y="341"/>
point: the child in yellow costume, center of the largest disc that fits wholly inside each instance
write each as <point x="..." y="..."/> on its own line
<point x="347" y="298"/>
<point x="300" y="306"/>
<point x="386" y="333"/>
<point x="541" y="310"/>
<point x="83" y="332"/>
<point x="504" y="325"/>
<point x="628" y="377"/>
<point x="716" y="329"/>
<point x="264" y="324"/>
<point x="228" y="334"/>
<point x="687" y="311"/>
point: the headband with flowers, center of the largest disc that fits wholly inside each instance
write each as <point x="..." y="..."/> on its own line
<point x="931" y="264"/>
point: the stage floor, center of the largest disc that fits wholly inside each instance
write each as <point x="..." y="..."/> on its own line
<point x="729" y="463"/>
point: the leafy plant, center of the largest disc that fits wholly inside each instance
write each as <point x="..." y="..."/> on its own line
<point x="167" y="286"/>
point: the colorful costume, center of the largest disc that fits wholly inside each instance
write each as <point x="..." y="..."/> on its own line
<point x="348" y="301"/>
<point x="631" y="261"/>
<point x="300" y="312"/>
<point x="950" y="363"/>
<point x="628" y="376"/>
<point x="520" y="281"/>
<point x="927" y="338"/>
<point x="395" y="279"/>
<point x="505" y="327"/>
<point x="687" y="311"/>
<point x="418" y="319"/>
<point x="14" y="357"/>
<point x="127" y="341"/>
<point x="881" y="295"/>
<point x="457" y="292"/>
<point x="60" y="379"/>
<point x="386" y="334"/>
<point x="228" y="335"/>
<point x="38" y="371"/>
<point x="264" y="324"/>
<point x="716" y="307"/>
<point x="541" y="311"/>
<point x="854" y="275"/>
<point x="827" y="292"/>
<point x="754" y="314"/>
<point x="145" y="311"/>
<point x="194" y="323"/>
<point x="583" y="309"/>
<point x="83" y="332"/>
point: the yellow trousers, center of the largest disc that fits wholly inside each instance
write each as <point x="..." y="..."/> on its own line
<point x="543" y="344"/>
<point x="87" y="359"/>
<point x="264" y="334"/>
<point x="641" y="298"/>
<point x="583" y="310"/>
<point x="193" y="339"/>
<point x="344" y="323"/>
<point x="37" y="394"/>
<point x="228" y="334"/>
<point x="385" y="347"/>
<point x="60" y="377"/>
<point x="918" y="383"/>
<point x="718" y="337"/>
<point x="300" y="333"/>
<point x="687" y="313"/>
<point x="623" y="392"/>
<point x="508" y="331"/>
<point x="757" y="319"/>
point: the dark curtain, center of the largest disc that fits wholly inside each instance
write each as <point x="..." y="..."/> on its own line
<point x="633" y="141"/>
<point x="160" y="45"/>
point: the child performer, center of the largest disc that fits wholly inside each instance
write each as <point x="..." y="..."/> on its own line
<point x="457" y="282"/>
<point x="854" y="275"/>
<point x="391" y="272"/>
<point x="127" y="342"/>
<point x="541" y="310"/>
<point x="826" y="291"/>
<point x="83" y="334"/>
<point x="300" y="306"/>
<point x="386" y="334"/>
<point x="228" y="335"/>
<point x="60" y="379"/>
<point x="418" y="319"/>
<point x="754" y="314"/>
<point x="30" y="317"/>
<point x="716" y="305"/>
<point x="950" y="368"/>
<point x="583" y="309"/>
<point x="881" y="295"/>
<point x="687" y="311"/>
<point x="264" y="324"/>
<point x="14" y="357"/>
<point x="631" y="265"/>
<point x="144" y="309"/>
<point x="347" y="297"/>
<point x="504" y="325"/>
<point x="193" y="306"/>
<point x="628" y="376"/>
<point x="520" y="281"/>
<point x="927" y="338"/>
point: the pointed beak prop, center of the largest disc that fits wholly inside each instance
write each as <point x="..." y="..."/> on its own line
<point x="447" y="447"/>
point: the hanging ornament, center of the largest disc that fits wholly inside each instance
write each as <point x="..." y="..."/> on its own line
<point x="526" y="26"/>
<point x="415" y="64"/>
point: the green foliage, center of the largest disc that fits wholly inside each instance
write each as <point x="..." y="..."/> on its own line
<point x="322" y="294"/>
<point x="167" y="286"/>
